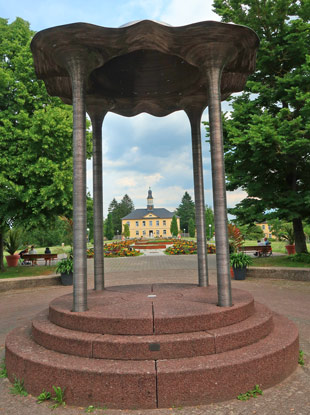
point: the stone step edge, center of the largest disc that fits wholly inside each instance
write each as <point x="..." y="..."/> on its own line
<point x="152" y="347"/>
<point x="60" y="313"/>
<point x="150" y="384"/>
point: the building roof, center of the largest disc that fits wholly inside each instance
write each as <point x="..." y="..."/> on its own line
<point x="161" y="213"/>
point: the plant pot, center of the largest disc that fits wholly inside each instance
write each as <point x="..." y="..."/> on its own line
<point x="66" y="279"/>
<point x="12" y="260"/>
<point x="232" y="272"/>
<point x="240" y="273"/>
<point x="290" y="249"/>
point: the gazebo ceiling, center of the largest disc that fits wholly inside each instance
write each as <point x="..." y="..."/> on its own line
<point x="146" y="66"/>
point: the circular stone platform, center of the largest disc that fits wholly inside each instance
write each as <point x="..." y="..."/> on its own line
<point x="148" y="346"/>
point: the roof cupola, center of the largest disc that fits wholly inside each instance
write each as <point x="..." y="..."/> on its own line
<point x="150" y="201"/>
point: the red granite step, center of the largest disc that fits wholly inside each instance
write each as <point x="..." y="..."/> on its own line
<point x="98" y="382"/>
<point x="165" y="346"/>
<point x="150" y="384"/>
<point x="152" y="309"/>
<point x="215" y="378"/>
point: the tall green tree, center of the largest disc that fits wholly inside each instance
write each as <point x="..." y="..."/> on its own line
<point x="119" y="210"/>
<point x="267" y="133"/>
<point x="126" y="231"/>
<point x="191" y="228"/>
<point x="209" y="215"/>
<point x="109" y="229"/>
<point x="174" y="226"/>
<point x="35" y="139"/>
<point x="185" y="211"/>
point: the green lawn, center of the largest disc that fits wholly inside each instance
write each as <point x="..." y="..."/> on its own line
<point x="27" y="271"/>
<point x="279" y="261"/>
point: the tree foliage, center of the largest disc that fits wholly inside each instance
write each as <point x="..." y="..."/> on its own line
<point x="35" y="139"/>
<point x="209" y="215"/>
<point x="126" y="231"/>
<point x="267" y="134"/>
<point x="109" y="229"/>
<point x="251" y="232"/>
<point x="186" y="211"/>
<point x="191" y="228"/>
<point x="119" y="210"/>
<point x="174" y="226"/>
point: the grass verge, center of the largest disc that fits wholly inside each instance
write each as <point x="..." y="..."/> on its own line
<point x="28" y="271"/>
<point x="279" y="261"/>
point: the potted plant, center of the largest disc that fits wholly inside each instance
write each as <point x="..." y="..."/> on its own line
<point x="289" y="236"/>
<point x="65" y="269"/>
<point x="239" y="262"/>
<point x="12" y="242"/>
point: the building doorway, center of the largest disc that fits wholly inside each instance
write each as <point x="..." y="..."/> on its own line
<point x="151" y="234"/>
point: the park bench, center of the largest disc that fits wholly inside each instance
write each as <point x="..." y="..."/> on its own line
<point x="262" y="250"/>
<point x="34" y="257"/>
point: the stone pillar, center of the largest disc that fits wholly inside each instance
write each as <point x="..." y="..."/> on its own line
<point x="194" y="116"/>
<point x="97" y="117"/>
<point x="219" y="189"/>
<point x="76" y="67"/>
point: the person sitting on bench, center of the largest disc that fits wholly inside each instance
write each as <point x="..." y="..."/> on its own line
<point x="25" y="251"/>
<point x="259" y="243"/>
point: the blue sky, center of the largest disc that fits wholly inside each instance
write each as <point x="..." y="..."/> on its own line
<point x="142" y="151"/>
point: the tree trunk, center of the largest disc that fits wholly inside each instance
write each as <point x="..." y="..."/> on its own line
<point x="1" y="253"/>
<point x="300" y="238"/>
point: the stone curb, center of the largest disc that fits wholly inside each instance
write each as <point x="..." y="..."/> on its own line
<point x="18" y="283"/>
<point x="280" y="273"/>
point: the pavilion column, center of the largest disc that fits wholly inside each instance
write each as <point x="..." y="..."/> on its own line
<point x="97" y="118"/>
<point x="77" y="69"/>
<point x="219" y="189"/>
<point x="194" y="116"/>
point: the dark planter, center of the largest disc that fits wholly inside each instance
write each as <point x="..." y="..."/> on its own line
<point x="12" y="260"/>
<point x="66" y="279"/>
<point x="240" y="273"/>
<point x="290" y="249"/>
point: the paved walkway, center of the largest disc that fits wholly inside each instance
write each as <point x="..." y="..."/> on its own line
<point x="289" y="298"/>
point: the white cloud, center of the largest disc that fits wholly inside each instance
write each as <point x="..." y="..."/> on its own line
<point x="235" y="197"/>
<point x="183" y="12"/>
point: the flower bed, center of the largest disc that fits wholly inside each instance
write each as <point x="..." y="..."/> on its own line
<point x="187" y="248"/>
<point x="116" y="249"/>
<point x="120" y="249"/>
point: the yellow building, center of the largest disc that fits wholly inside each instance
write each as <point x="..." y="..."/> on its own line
<point x="266" y="229"/>
<point x="150" y="222"/>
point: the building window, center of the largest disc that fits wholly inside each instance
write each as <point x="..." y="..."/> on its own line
<point x="157" y="223"/>
<point x="263" y="227"/>
<point x="150" y="222"/>
<point x="165" y="232"/>
<point x="157" y="232"/>
<point x="144" y="232"/>
<point x="137" y="233"/>
<point x="164" y="222"/>
<point x="137" y="223"/>
<point x="128" y="223"/>
<point x="143" y="223"/>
